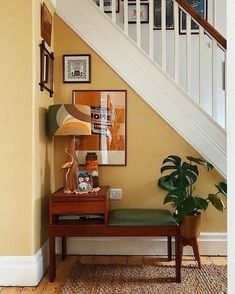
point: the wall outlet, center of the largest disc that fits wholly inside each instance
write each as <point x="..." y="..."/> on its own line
<point x="115" y="194"/>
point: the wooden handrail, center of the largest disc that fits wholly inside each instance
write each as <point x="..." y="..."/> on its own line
<point x="207" y="26"/>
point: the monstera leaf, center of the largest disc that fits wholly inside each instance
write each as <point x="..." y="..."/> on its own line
<point x="182" y="174"/>
<point x="222" y="188"/>
<point x="201" y="161"/>
<point x="216" y="202"/>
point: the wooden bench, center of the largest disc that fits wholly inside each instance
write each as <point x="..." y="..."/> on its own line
<point x="126" y="223"/>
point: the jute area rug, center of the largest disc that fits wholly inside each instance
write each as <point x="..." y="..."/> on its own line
<point x="145" y="279"/>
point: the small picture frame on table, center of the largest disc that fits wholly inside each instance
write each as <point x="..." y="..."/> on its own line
<point x="77" y="68"/>
<point x="84" y="181"/>
<point x="144" y="13"/>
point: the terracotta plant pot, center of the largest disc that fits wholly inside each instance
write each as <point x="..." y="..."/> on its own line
<point x="190" y="227"/>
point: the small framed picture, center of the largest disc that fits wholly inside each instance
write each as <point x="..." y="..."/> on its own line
<point x="46" y="24"/>
<point x="108" y="5"/>
<point x="201" y="7"/>
<point x="144" y="13"/>
<point x="84" y="181"/>
<point x="77" y="68"/>
<point x="46" y="69"/>
<point x="158" y="15"/>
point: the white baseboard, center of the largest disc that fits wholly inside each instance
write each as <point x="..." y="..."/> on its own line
<point x="24" y="270"/>
<point x="28" y="270"/>
<point x="209" y="244"/>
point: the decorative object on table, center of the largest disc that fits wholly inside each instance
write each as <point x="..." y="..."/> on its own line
<point x="46" y="69"/>
<point x="92" y="167"/>
<point x="108" y="5"/>
<point x="144" y="13"/>
<point x="158" y="15"/>
<point x="69" y="120"/>
<point x="201" y="8"/>
<point x="77" y="68"/>
<point x="67" y="167"/>
<point x="108" y="123"/>
<point x="180" y="185"/>
<point x="85" y="184"/>
<point x="46" y="24"/>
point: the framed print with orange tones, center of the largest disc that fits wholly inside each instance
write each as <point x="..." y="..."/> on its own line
<point x="108" y="123"/>
<point x="46" y="24"/>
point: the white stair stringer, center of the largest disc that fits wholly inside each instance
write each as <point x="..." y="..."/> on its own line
<point x="157" y="88"/>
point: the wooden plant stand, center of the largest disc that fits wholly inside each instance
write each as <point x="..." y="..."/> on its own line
<point x="194" y="244"/>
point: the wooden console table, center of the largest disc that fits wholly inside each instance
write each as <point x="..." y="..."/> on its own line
<point x="97" y="204"/>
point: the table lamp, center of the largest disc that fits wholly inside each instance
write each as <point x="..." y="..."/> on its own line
<point x="69" y="120"/>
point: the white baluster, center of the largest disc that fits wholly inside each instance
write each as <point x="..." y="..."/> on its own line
<point x="214" y="13"/>
<point x="125" y="5"/>
<point x="201" y="40"/>
<point x="225" y="93"/>
<point x="102" y="5"/>
<point x="188" y="53"/>
<point x="214" y="79"/>
<point x="151" y="10"/>
<point x="114" y="11"/>
<point x="138" y="28"/>
<point x="163" y="18"/>
<point x="176" y="32"/>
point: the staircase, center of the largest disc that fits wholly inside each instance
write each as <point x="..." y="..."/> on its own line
<point x="177" y="68"/>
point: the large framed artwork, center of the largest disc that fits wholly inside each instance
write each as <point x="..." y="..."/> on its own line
<point x="201" y="7"/>
<point x="108" y="118"/>
<point x="158" y="15"/>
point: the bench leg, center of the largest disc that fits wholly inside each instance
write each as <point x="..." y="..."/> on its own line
<point x="169" y="248"/>
<point x="64" y="247"/>
<point x="177" y="259"/>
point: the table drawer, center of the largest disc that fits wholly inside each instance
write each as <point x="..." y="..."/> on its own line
<point x="77" y="207"/>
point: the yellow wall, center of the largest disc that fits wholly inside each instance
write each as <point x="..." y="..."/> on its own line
<point x="149" y="138"/>
<point x="23" y="176"/>
<point x="43" y="153"/>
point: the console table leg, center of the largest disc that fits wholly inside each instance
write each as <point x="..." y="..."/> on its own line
<point x="64" y="247"/>
<point x="177" y="259"/>
<point x="52" y="259"/>
<point x="169" y="247"/>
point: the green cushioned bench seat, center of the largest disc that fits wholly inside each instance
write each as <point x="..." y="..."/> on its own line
<point x="141" y="217"/>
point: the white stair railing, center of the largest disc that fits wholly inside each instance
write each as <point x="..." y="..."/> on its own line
<point x="193" y="58"/>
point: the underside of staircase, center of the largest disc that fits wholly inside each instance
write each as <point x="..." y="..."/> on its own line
<point x="155" y="86"/>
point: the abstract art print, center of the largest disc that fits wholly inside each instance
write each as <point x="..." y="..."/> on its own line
<point x="108" y="124"/>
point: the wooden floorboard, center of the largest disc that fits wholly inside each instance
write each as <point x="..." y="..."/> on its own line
<point x="64" y="267"/>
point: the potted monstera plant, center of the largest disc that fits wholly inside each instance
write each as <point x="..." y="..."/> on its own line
<point x="179" y="182"/>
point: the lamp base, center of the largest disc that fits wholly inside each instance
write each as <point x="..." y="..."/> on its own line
<point x="70" y="168"/>
<point x="67" y="191"/>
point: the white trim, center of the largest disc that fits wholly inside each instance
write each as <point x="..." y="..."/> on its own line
<point x="24" y="270"/>
<point x="209" y="244"/>
<point x="157" y="88"/>
<point x="54" y="3"/>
